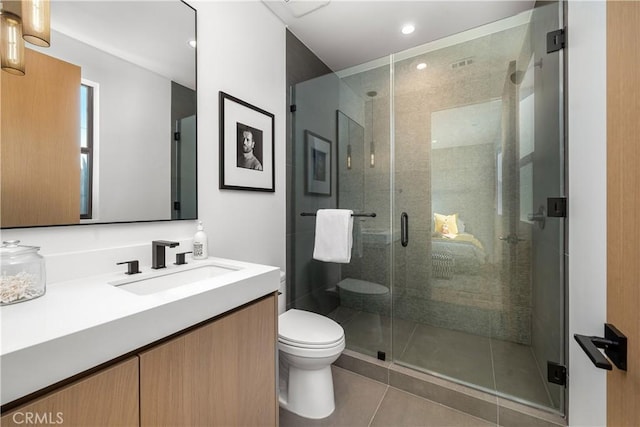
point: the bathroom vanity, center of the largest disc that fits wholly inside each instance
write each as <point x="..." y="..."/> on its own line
<point x="92" y="353"/>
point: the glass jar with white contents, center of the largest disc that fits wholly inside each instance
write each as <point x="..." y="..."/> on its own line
<point x="22" y="274"/>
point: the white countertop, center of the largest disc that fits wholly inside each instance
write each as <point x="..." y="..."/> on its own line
<point x="81" y="323"/>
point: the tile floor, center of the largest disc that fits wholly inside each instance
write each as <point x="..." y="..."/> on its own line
<point x="361" y="401"/>
<point x="492" y="364"/>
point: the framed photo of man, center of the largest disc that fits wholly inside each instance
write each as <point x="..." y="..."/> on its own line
<point x="318" y="164"/>
<point x="247" y="159"/>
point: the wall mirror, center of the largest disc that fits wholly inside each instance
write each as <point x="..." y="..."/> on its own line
<point x="104" y="122"/>
<point x="464" y="143"/>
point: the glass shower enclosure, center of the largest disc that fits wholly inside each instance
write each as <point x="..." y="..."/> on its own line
<point x="457" y="148"/>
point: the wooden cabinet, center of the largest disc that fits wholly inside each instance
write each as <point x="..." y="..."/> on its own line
<point x="221" y="374"/>
<point x="106" y="398"/>
<point x="40" y="150"/>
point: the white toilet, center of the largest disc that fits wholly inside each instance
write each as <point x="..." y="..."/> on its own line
<point x="308" y="344"/>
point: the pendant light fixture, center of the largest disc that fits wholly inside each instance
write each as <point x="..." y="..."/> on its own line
<point x="36" y="28"/>
<point x="12" y="44"/>
<point x="372" y="154"/>
<point x="20" y="21"/>
<point x="372" y="148"/>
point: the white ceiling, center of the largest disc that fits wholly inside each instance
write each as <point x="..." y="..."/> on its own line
<point x="345" y="33"/>
<point x="151" y="34"/>
<point x="342" y="33"/>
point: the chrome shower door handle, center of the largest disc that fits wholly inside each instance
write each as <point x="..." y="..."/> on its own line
<point x="404" y="229"/>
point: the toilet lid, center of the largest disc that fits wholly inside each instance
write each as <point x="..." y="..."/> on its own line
<point x="307" y="328"/>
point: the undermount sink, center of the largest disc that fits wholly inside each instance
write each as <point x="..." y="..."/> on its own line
<point x="163" y="280"/>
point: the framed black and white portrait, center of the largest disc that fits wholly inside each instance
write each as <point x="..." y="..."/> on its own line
<point x="246" y="146"/>
<point x="318" y="164"/>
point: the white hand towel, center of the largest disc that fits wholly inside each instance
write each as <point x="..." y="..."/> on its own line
<point x="334" y="235"/>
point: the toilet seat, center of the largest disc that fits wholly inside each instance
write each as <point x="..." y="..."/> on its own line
<point x="304" y="329"/>
<point x="311" y="352"/>
<point x="311" y="346"/>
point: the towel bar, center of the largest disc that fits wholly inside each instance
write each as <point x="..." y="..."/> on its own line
<point x="372" y="214"/>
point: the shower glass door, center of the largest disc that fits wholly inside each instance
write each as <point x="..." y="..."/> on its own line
<point x="464" y="136"/>
<point x="183" y="170"/>
<point x="478" y="290"/>
<point x="351" y="128"/>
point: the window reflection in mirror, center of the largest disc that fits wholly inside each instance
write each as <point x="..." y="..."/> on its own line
<point x="136" y="133"/>
<point x="86" y="147"/>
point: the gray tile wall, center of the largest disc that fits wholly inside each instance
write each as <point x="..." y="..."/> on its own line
<point x="314" y="90"/>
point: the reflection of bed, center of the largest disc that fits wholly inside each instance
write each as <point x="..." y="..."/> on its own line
<point x="463" y="249"/>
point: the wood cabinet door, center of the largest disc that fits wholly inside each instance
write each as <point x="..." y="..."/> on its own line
<point x="623" y="205"/>
<point x="221" y="374"/>
<point x="40" y="150"/>
<point x="106" y="398"/>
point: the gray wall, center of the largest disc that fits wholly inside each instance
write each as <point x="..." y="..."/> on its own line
<point x="307" y="280"/>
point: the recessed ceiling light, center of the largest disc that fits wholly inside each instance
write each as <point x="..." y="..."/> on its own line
<point x="192" y="43"/>
<point x="408" y="29"/>
<point x="421" y="66"/>
<point x="434" y="141"/>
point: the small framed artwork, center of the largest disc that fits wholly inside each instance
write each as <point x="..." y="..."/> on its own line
<point x="318" y="164"/>
<point x="246" y="146"/>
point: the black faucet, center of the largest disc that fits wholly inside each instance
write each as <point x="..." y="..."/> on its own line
<point x="133" y="267"/>
<point x="158" y="253"/>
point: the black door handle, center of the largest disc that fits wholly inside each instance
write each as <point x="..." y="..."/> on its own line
<point x="404" y="229"/>
<point x="614" y="344"/>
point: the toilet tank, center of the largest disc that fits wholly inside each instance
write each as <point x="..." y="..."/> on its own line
<point x="282" y="295"/>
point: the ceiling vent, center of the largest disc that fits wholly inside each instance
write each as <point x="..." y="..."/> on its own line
<point x="300" y="8"/>
<point x="461" y="63"/>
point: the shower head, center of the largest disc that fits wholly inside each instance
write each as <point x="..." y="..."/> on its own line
<point x="372" y="93"/>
